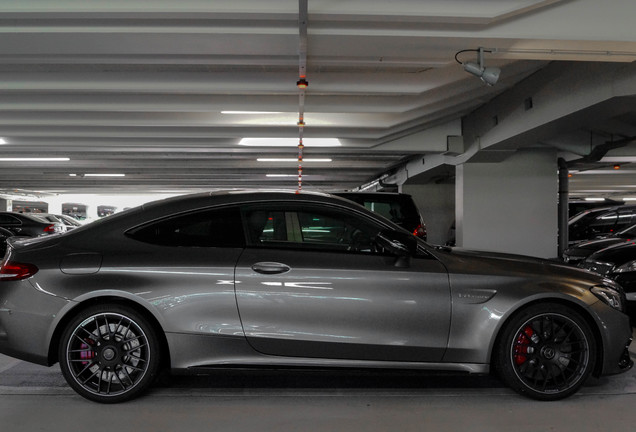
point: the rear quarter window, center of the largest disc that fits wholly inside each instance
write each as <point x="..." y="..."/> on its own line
<point x="207" y="228"/>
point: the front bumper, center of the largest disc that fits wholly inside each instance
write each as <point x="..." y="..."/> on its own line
<point x="616" y="336"/>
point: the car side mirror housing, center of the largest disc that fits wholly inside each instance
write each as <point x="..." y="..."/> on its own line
<point x="402" y="245"/>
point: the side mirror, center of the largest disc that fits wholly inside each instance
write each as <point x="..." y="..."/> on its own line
<point x="402" y="245"/>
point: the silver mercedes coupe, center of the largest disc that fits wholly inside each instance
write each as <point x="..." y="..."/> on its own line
<point x="278" y="279"/>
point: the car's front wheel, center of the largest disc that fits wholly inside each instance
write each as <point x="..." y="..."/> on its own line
<point x="109" y="353"/>
<point x="546" y="352"/>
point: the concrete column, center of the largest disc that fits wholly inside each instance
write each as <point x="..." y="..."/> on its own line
<point x="510" y="206"/>
<point x="436" y="203"/>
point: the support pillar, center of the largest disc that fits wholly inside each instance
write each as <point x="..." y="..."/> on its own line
<point x="509" y="206"/>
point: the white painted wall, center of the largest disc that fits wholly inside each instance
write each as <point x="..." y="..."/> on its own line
<point x="509" y="206"/>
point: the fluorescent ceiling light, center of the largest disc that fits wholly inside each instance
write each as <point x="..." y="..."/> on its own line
<point x="3" y="141"/>
<point x="629" y="199"/>
<point x="281" y="175"/>
<point x="292" y="160"/>
<point x="290" y="142"/>
<point x="594" y="199"/>
<point x="34" y="159"/>
<point x="97" y="175"/>
<point x="251" y="112"/>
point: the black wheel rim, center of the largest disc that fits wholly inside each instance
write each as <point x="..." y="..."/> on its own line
<point x="550" y="353"/>
<point x="108" y="354"/>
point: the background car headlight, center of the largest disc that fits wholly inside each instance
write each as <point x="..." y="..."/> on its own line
<point x="609" y="296"/>
<point x="627" y="267"/>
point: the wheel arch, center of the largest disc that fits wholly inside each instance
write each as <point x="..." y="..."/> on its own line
<point x="121" y="301"/>
<point x="585" y="314"/>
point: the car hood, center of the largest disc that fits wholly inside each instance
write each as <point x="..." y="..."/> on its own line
<point x="463" y="261"/>
<point x="594" y="245"/>
<point x="617" y="254"/>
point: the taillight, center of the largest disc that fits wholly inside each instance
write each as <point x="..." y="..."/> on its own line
<point x="13" y="271"/>
<point x="50" y="229"/>
<point x="420" y="232"/>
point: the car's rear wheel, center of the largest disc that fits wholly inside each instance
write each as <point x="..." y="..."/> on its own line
<point x="546" y="352"/>
<point x="109" y="353"/>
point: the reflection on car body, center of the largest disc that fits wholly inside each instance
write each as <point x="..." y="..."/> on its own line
<point x="257" y="279"/>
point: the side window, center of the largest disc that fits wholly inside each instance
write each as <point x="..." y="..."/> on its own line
<point x="208" y="228"/>
<point x="604" y="223"/>
<point x="625" y="218"/>
<point x="9" y="220"/>
<point x="309" y="227"/>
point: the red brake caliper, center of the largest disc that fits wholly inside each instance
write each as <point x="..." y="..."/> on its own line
<point x="86" y="355"/>
<point x="521" y="345"/>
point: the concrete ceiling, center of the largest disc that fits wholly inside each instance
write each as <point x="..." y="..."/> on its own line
<point x="143" y="89"/>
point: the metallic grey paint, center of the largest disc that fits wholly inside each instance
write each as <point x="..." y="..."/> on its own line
<point x="317" y="308"/>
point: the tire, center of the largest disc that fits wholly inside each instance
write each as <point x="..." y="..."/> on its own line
<point x="546" y="352"/>
<point x="109" y="353"/>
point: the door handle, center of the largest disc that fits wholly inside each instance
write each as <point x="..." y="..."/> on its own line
<point x="270" y="268"/>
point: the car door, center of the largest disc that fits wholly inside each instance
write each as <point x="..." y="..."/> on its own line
<point x="310" y="284"/>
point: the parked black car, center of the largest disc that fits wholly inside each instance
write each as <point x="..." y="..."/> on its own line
<point x="29" y="225"/>
<point x="617" y="262"/>
<point x="4" y="235"/>
<point x="599" y="222"/>
<point x="582" y="250"/>
<point x="68" y="222"/>
<point x="399" y="208"/>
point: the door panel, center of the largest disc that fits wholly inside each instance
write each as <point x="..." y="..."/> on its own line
<point x="343" y="305"/>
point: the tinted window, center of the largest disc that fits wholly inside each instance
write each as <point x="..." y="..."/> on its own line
<point x="9" y="220"/>
<point x="604" y="223"/>
<point x="209" y="228"/>
<point x="309" y="227"/>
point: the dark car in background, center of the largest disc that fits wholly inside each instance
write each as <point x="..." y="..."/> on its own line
<point x="599" y="222"/>
<point x="68" y="222"/>
<point x="399" y="208"/>
<point x="29" y="225"/>
<point x="286" y="279"/>
<point x="584" y="249"/>
<point x="617" y="262"/>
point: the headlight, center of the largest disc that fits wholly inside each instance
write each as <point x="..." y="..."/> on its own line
<point x="629" y="266"/>
<point x="609" y="296"/>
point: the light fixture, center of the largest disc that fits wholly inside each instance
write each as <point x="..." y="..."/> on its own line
<point x="594" y="199"/>
<point x="97" y="175"/>
<point x="617" y="167"/>
<point x="281" y="175"/>
<point x="250" y="112"/>
<point x="302" y="83"/>
<point x="487" y="75"/>
<point x="629" y="199"/>
<point x="35" y="159"/>
<point x="293" y="160"/>
<point x="289" y="142"/>
<point x="2" y="141"/>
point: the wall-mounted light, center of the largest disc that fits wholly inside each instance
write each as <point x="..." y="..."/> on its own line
<point x="487" y="75"/>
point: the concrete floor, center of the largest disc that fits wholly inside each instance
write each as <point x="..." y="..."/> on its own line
<point x="35" y="398"/>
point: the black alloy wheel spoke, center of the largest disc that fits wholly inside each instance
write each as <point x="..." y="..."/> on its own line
<point x="559" y="357"/>
<point x="97" y="374"/>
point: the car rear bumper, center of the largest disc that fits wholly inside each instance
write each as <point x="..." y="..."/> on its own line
<point x="26" y="319"/>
